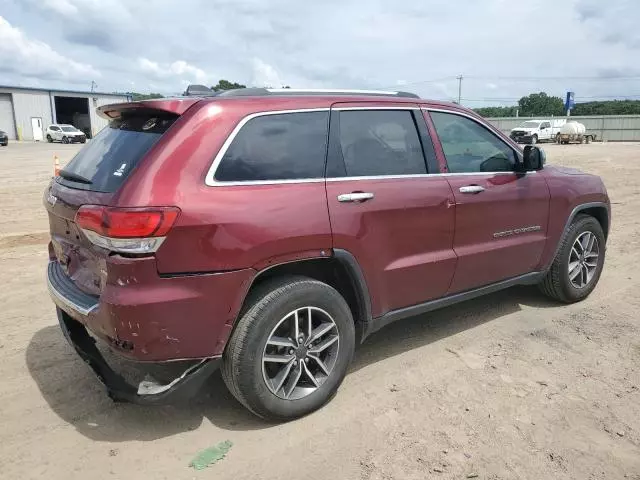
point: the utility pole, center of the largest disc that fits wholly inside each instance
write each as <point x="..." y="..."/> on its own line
<point x="459" y="77"/>
<point x="93" y="86"/>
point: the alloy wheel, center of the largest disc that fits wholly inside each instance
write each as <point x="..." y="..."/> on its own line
<point x="300" y="353"/>
<point x="583" y="259"/>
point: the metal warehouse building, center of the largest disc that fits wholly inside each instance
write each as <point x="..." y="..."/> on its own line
<point x="25" y="113"/>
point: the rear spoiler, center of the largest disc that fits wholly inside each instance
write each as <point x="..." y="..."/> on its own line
<point x="170" y="105"/>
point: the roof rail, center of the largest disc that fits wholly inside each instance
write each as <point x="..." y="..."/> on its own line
<point x="201" y="90"/>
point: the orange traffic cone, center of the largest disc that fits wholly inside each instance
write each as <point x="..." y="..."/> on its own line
<point x="56" y="166"/>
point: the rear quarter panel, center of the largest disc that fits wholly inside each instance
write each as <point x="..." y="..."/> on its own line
<point x="224" y="228"/>
<point x="569" y="188"/>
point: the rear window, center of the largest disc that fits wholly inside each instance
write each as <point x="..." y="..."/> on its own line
<point x="106" y="161"/>
<point x="286" y="146"/>
<point x="69" y="129"/>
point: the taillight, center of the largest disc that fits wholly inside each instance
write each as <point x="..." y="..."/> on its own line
<point x="129" y="230"/>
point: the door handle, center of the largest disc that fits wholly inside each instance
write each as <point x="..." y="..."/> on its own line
<point x="471" y="189"/>
<point x="355" y="197"/>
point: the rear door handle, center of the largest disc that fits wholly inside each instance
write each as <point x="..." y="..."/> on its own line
<point x="355" y="197"/>
<point x="471" y="189"/>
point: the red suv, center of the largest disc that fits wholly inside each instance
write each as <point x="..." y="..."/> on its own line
<point x="269" y="232"/>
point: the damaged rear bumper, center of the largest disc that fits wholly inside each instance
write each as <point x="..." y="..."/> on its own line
<point x="147" y="392"/>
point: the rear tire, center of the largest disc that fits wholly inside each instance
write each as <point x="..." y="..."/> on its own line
<point x="65" y="140"/>
<point x="49" y="139"/>
<point x="534" y="140"/>
<point x="558" y="139"/>
<point x="575" y="272"/>
<point x="266" y="330"/>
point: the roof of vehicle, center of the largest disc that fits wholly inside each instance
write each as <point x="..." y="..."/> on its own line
<point x="276" y="99"/>
<point x="61" y="125"/>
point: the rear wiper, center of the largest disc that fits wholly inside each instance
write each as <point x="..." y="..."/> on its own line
<point x="74" y="177"/>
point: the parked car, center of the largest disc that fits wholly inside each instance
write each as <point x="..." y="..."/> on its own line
<point x="65" y="134"/>
<point x="269" y="232"/>
<point x="4" y="138"/>
<point x="534" y="131"/>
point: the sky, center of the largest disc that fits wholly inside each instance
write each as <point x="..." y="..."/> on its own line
<point x="502" y="48"/>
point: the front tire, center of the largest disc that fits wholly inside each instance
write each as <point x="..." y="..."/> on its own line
<point x="576" y="269"/>
<point x="278" y="371"/>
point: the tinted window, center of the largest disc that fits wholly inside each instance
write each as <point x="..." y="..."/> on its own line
<point x="470" y="147"/>
<point x="546" y="124"/>
<point x="380" y="142"/>
<point x="114" y="152"/>
<point x="285" y="146"/>
<point x="55" y="129"/>
<point x="69" y="129"/>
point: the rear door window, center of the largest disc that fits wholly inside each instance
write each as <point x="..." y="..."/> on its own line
<point x="379" y="143"/>
<point x="107" y="160"/>
<point x="283" y="146"/>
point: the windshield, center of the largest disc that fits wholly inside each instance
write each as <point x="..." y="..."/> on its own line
<point x="104" y="164"/>
<point x="69" y="129"/>
<point x="530" y="124"/>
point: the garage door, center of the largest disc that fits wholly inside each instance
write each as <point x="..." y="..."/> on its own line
<point x="6" y="115"/>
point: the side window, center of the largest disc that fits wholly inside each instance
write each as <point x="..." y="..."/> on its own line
<point x="380" y="142"/>
<point x="470" y="147"/>
<point x="546" y="124"/>
<point x="284" y="146"/>
<point x="55" y="129"/>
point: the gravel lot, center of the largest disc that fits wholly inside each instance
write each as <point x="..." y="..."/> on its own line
<point x="510" y="386"/>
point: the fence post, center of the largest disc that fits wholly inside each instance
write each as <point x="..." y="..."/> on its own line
<point x="602" y="130"/>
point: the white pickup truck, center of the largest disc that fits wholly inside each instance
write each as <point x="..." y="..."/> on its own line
<point x="534" y="131"/>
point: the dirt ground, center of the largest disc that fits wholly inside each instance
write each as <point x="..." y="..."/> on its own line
<point x="510" y="386"/>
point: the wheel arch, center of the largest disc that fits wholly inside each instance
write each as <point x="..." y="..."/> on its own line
<point x="340" y="270"/>
<point x="598" y="210"/>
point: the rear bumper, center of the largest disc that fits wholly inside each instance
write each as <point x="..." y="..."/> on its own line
<point x="147" y="392"/>
<point x="146" y="317"/>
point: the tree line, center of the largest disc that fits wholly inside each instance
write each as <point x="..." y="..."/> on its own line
<point x="220" y="86"/>
<point x="533" y="105"/>
<point x="543" y="105"/>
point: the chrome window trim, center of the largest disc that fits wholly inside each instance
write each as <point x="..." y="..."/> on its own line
<point x="210" y="179"/>
<point x="424" y="175"/>
<point x="212" y="182"/>
<point x="399" y="107"/>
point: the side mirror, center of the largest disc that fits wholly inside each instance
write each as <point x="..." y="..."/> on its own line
<point x="533" y="158"/>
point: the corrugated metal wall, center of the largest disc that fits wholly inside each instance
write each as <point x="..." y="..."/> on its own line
<point x="29" y="104"/>
<point x="612" y="128"/>
<point x="6" y="115"/>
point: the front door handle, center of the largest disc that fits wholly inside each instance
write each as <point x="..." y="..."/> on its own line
<point x="471" y="189"/>
<point x="355" y="197"/>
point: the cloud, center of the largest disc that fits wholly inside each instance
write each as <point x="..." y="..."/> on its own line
<point x="179" y="69"/>
<point x="98" y="23"/>
<point x="615" y="21"/>
<point x="264" y="75"/>
<point x="34" y="58"/>
<point x="302" y="44"/>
